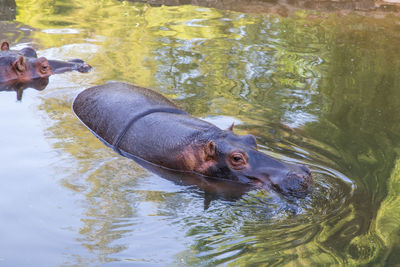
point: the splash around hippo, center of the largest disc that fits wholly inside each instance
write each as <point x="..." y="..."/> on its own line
<point x="138" y="122"/>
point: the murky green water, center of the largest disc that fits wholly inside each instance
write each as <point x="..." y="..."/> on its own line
<point x="322" y="89"/>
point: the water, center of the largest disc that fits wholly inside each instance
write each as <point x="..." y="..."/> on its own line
<point x="315" y="88"/>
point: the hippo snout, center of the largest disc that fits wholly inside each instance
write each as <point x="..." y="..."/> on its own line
<point x="297" y="183"/>
<point x="84" y="68"/>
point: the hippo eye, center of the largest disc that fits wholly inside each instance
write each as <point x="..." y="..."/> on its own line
<point x="238" y="160"/>
<point x="44" y="69"/>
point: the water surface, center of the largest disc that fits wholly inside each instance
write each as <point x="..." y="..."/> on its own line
<point x="315" y="88"/>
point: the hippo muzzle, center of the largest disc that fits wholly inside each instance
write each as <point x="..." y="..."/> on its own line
<point x="289" y="180"/>
<point x="294" y="183"/>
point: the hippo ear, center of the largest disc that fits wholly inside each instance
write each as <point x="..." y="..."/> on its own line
<point x="5" y="46"/>
<point x="230" y="128"/>
<point x="19" y="64"/>
<point x="209" y="150"/>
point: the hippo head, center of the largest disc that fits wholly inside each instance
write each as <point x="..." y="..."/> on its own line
<point x="25" y="69"/>
<point x="24" y="65"/>
<point x="235" y="157"/>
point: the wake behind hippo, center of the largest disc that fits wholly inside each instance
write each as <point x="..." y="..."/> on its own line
<point x="138" y="122"/>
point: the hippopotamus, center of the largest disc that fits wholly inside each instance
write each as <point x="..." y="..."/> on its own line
<point x="141" y="123"/>
<point x="24" y="65"/>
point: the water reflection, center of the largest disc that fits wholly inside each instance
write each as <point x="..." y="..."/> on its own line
<point x="8" y="10"/>
<point x="19" y="87"/>
<point x="263" y="229"/>
<point x="12" y="31"/>
<point x="317" y="90"/>
<point x="213" y="188"/>
<point x="106" y="183"/>
<point x="283" y="7"/>
<point x="115" y="194"/>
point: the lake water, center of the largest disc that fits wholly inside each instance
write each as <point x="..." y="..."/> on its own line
<point x="315" y="87"/>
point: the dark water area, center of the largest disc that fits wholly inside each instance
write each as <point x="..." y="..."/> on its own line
<point x="316" y="82"/>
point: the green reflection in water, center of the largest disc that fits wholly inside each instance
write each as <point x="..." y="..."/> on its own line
<point x="387" y="220"/>
<point x="321" y="90"/>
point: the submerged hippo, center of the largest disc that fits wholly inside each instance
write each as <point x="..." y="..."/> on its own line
<point x="140" y="123"/>
<point x="24" y="65"/>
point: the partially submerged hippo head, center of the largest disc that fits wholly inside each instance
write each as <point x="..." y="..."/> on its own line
<point x="18" y="67"/>
<point x="230" y="156"/>
<point x="24" y="65"/>
<point x="21" y="69"/>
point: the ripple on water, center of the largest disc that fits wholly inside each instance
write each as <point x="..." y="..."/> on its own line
<point x="267" y="224"/>
<point x="259" y="227"/>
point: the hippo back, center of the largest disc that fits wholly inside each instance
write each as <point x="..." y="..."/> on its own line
<point x="106" y="108"/>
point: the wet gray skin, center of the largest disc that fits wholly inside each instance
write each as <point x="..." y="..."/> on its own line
<point x="181" y="142"/>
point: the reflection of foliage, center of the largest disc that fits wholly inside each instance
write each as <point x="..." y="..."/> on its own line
<point x="222" y="56"/>
<point x="106" y="184"/>
<point x="7" y="10"/>
<point x="359" y="119"/>
<point x="308" y="73"/>
<point x="109" y="184"/>
<point x="361" y="100"/>
<point x="388" y="217"/>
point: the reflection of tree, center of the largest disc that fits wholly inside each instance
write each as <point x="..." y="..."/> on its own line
<point x="265" y="70"/>
<point x="387" y="219"/>
<point x="104" y="181"/>
<point x="281" y="7"/>
<point x="249" y="69"/>
<point x="359" y="119"/>
<point x="359" y="115"/>
<point x="353" y="97"/>
<point x="15" y="33"/>
<point x="111" y="189"/>
<point x="8" y="9"/>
